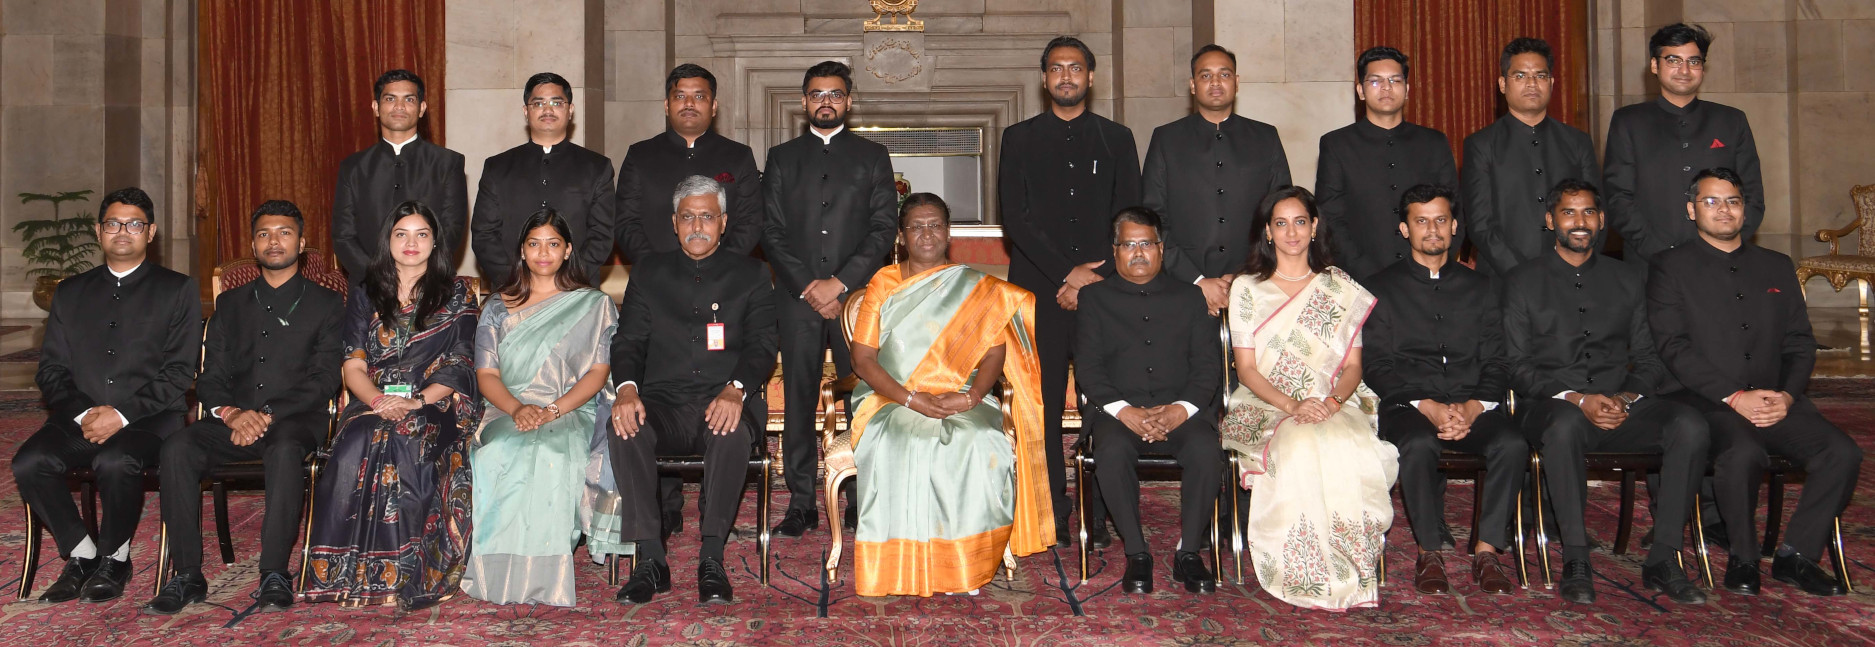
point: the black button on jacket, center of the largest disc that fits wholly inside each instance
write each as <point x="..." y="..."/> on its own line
<point x="1439" y="339"/>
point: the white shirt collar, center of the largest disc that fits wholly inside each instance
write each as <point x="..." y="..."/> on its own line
<point x="123" y="274"/>
<point x="397" y="148"/>
<point x="828" y="138"/>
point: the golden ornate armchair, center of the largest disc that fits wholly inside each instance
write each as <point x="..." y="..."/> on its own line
<point x="1840" y="268"/>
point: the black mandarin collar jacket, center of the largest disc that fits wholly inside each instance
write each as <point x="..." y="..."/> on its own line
<point x="648" y="177"/>
<point x="1727" y="322"/>
<point x="1206" y="180"/>
<point x="128" y="343"/>
<point x="1583" y="329"/>
<point x="662" y="340"/>
<point x="1359" y="177"/>
<point x="1439" y="339"/>
<point x="273" y="348"/>
<point x="1148" y="344"/>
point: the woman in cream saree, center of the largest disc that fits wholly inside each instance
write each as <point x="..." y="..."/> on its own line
<point x="1301" y="422"/>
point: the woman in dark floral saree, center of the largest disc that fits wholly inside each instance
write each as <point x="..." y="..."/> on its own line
<point x="392" y="522"/>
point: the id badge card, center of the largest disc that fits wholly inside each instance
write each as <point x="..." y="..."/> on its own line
<point x="399" y="390"/>
<point x="715" y="336"/>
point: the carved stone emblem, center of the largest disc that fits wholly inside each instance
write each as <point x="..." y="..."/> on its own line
<point x="899" y="13"/>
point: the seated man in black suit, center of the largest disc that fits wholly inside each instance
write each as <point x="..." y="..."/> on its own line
<point x="1732" y="326"/>
<point x="1148" y="360"/>
<point x="119" y="353"/>
<point x="696" y="339"/>
<point x="270" y="367"/>
<point x="1435" y="356"/>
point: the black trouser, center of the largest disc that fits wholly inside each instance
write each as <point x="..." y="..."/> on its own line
<point x="1563" y="434"/>
<point x="1740" y="452"/>
<point x="1116" y="456"/>
<point x="680" y="431"/>
<point x="805" y="338"/>
<point x="1054" y="346"/>
<point x="117" y="464"/>
<point x="1506" y="459"/>
<point x="190" y="453"/>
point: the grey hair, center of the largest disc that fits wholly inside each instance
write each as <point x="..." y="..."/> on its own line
<point x="696" y="185"/>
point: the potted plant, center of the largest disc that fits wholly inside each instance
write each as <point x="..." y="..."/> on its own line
<point x="59" y="247"/>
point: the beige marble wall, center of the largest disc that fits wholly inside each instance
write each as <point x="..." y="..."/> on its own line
<point x="1156" y="62"/>
<point x="1296" y="58"/>
<point x="98" y="95"/>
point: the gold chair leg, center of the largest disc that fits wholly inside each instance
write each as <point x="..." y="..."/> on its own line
<point x="833" y="523"/>
<point x="1542" y="538"/>
<point x="611" y="569"/>
<point x="1837" y="556"/>
<point x="1080" y="510"/>
<point x="29" y="554"/>
<point x="1009" y="564"/>
<point x="1523" y="570"/>
<point x="1237" y="543"/>
<point x="1217" y="544"/>
<point x="762" y="511"/>
<point x="162" y="558"/>
<point x="1380" y="567"/>
<point x="1699" y="535"/>
<point x="305" y="551"/>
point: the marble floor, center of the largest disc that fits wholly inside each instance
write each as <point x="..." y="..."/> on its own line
<point x="1847" y="351"/>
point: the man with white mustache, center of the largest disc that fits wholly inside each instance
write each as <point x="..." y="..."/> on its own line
<point x="1512" y="163"/>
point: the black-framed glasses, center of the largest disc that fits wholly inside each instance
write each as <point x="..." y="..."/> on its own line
<point x="132" y="226"/>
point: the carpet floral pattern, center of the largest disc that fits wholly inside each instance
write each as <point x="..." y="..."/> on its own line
<point x="1045" y="605"/>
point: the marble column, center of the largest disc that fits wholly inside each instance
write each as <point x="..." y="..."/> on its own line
<point x="1295" y="59"/>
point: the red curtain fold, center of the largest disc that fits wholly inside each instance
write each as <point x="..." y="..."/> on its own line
<point x="284" y="94"/>
<point x="1454" y="46"/>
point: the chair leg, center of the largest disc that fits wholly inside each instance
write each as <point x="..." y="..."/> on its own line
<point x="1523" y="570"/>
<point x="1236" y="516"/>
<point x="1774" y="517"/>
<point x="305" y="550"/>
<point x="1380" y="568"/>
<point x="1837" y="556"/>
<point x="1217" y="544"/>
<point x="162" y="558"/>
<point x="833" y="517"/>
<point x="1542" y="537"/>
<point x="1477" y="508"/>
<point x="1009" y="564"/>
<point x="1699" y="536"/>
<point x="762" y="512"/>
<point x="88" y="496"/>
<point x="221" y="523"/>
<point x="1624" y="529"/>
<point x="29" y="554"/>
<point x="611" y="569"/>
<point x="1080" y="510"/>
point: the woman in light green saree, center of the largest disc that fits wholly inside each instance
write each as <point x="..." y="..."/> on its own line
<point x="541" y="350"/>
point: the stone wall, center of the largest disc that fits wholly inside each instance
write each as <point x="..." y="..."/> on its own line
<point x="1296" y="62"/>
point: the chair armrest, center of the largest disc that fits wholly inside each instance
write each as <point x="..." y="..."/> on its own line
<point x="1834" y="236"/>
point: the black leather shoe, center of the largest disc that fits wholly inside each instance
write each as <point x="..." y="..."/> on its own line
<point x="1741" y="575"/>
<point x="275" y="592"/>
<point x="1578" y="582"/>
<point x="1098" y="537"/>
<point x="649" y="578"/>
<point x="1138" y="574"/>
<point x="1667" y="577"/>
<point x="797" y="522"/>
<point x="673" y="524"/>
<point x="1188" y="567"/>
<point x="77" y="571"/>
<point x="713" y="583"/>
<point x="182" y="590"/>
<point x="1807" y="575"/>
<point x="108" y="582"/>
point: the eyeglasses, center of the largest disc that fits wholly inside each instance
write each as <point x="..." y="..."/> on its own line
<point x="1136" y="246"/>
<point x="926" y="229"/>
<point x="1713" y="202"/>
<point x="707" y="218"/>
<point x="132" y="226"/>
<point x="826" y="96"/>
<point x="1378" y="82"/>
<point x="1525" y="76"/>
<point x="555" y="103"/>
<point x="1691" y="63"/>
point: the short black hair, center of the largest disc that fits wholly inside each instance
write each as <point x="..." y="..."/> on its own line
<point x="1213" y="47"/>
<point x="688" y="71"/>
<point x="393" y="76"/>
<point x="277" y="208"/>
<point x="1678" y="34"/>
<point x="1138" y="216"/>
<point x="1381" y="53"/>
<point x="1070" y="41"/>
<point x="922" y="199"/>
<point x="1424" y="193"/>
<point x="1525" y="45"/>
<point x="1720" y="172"/>
<point x="132" y="196"/>
<point x="826" y="69"/>
<point x="546" y="77"/>
<point x="1572" y="185"/>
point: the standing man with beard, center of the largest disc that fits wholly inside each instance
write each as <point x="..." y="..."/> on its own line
<point x="549" y="171"/>
<point x="1062" y="176"/>
<point x="1655" y="148"/>
<point x="653" y="167"/>
<point x="1511" y="165"/>
<point x="830" y="216"/>
<point x="1205" y="175"/>
<point x="1367" y="166"/>
<point x="400" y="167"/>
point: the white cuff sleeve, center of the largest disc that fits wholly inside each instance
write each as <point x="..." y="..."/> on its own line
<point x="1564" y="395"/>
<point x="621" y="387"/>
<point x="1113" y="408"/>
<point x="1190" y="409"/>
<point x="1488" y="405"/>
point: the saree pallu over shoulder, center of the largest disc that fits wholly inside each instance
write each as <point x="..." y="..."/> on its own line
<point x="932" y="330"/>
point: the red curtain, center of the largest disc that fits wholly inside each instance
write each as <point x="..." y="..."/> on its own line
<point x="285" y="92"/>
<point x="1454" y="46"/>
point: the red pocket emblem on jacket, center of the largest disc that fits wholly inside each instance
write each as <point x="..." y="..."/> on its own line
<point x="725" y="177"/>
<point x="1773" y="291"/>
<point x="1716" y="143"/>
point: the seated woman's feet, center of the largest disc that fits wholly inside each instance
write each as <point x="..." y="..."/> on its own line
<point x="182" y="590"/>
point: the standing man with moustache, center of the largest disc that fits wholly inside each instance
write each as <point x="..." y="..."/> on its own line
<point x="1206" y="173"/>
<point x="400" y="167"/>
<point x="1367" y="166"/>
<point x="830" y="217"/>
<point x="1656" y="147"/>
<point x="1061" y="177"/>
<point x="1511" y="165"/>
<point x="653" y="167"/>
<point x="549" y="171"/>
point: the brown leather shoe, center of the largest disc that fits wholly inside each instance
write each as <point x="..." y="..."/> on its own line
<point x="1489" y="574"/>
<point x="1429" y="574"/>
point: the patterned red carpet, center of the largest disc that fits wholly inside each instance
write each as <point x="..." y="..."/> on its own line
<point x="1038" y="608"/>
